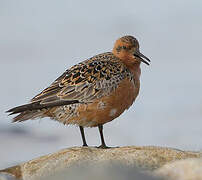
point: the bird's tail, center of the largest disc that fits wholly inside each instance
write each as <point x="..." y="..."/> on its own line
<point x="26" y="115"/>
<point x="36" y="109"/>
<point x="27" y="111"/>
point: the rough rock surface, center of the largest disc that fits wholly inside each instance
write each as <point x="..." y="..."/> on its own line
<point x="188" y="169"/>
<point x="148" y="157"/>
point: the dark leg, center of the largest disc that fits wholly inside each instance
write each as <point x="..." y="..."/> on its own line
<point x="83" y="136"/>
<point x="103" y="145"/>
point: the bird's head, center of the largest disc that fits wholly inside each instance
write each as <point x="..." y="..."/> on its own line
<point x="127" y="49"/>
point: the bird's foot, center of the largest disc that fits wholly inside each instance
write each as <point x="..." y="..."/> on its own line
<point x="85" y="145"/>
<point x="103" y="146"/>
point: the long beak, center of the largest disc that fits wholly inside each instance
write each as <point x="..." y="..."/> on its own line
<point x="146" y="60"/>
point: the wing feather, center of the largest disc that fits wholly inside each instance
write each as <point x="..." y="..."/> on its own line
<point x="93" y="78"/>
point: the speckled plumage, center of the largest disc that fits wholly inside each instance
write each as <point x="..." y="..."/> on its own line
<point x="88" y="80"/>
<point x="92" y="92"/>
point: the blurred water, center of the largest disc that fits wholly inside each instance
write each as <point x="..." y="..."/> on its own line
<point x="40" y="39"/>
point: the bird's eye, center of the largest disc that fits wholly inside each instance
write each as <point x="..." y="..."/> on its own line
<point x="124" y="47"/>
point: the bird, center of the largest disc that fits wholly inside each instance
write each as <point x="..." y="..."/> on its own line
<point x="92" y="92"/>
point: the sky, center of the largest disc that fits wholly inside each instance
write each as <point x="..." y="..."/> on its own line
<point x="39" y="40"/>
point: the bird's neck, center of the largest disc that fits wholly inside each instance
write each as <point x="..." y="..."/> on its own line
<point x="136" y="70"/>
<point x="133" y="66"/>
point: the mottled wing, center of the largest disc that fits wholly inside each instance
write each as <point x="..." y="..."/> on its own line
<point x="86" y="81"/>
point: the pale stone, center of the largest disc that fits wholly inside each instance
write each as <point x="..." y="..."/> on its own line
<point x="188" y="169"/>
<point x="148" y="157"/>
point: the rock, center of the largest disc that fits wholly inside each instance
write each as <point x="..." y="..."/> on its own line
<point x="101" y="171"/>
<point x="188" y="169"/>
<point x="11" y="173"/>
<point x="5" y="176"/>
<point x="148" y="158"/>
